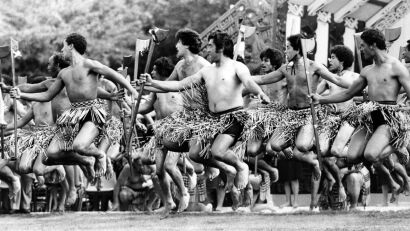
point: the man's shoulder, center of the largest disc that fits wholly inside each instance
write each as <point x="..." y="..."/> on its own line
<point x="202" y="61"/>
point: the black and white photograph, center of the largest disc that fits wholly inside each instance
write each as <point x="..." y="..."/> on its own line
<point x="204" y="115"/>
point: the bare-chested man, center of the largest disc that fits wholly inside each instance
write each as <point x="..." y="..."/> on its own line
<point x="384" y="79"/>
<point x="341" y="60"/>
<point x="58" y="105"/>
<point x="224" y="83"/>
<point x="294" y="72"/>
<point x="188" y="47"/>
<point x="164" y="104"/>
<point x="82" y="123"/>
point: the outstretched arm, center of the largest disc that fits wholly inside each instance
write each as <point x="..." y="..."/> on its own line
<point x="173" y="86"/>
<point x="403" y="76"/>
<point x="322" y="87"/>
<point x="46" y="96"/>
<point x="329" y="76"/>
<point x="271" y="77"/>
<point x="245" y="76"/>
<point x="110" y="74"/>
<point x="357" y="86"/>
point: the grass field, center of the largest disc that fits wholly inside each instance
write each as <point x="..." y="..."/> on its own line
<point x="228" y="221"/>
<point x="374" y="218"/>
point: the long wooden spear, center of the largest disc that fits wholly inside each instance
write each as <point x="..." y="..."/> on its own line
<point x="4" y="52"/>
<point x="14" y="51"/>
<point x="312" y="106"/>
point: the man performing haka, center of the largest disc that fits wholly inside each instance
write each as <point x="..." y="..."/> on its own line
<point x="341" y="59"/>
<point x="382" y="119"/>
<point x="224" y="83"/>
<point x="295" y="126"/>
<point x="81" y="124"/>
<point x="188" y="48"/>
<point x="58" y="105"/>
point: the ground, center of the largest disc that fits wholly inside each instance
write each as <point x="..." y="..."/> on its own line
<point x="132" y="221"/>
<point x="374" y="218"/>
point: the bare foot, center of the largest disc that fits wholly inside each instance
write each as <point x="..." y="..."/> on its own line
<point x="342" y="193"/>
<point x="395" y="192"/>
<point x="15" y="188"/>
<point x="110" y="170"/>
<point x="316" y="172"/>
<point x="167" y="210"/>
<point x="40" y="180"/>
<point x="100" y="166"/>
<point x="212" y="173"/>
<point x="61" y="173"/>
<point x="332" y="182"/>
<point x="115" y="207"/>
<point x="295" y="205"/>
<point x="192" y="181"/>
<point x="61" y="208"/>
<point x="287" y="204"/>
<point x="274" y="175"/>
<point x="406" y="188"/>
<point x="235" y="194"/>
<point x="230" y="178"/>
<point x="183" y="202"/>
<point x="241" y="179"/>
<point x="71" y="197"/>
<point x="88" y="168"/>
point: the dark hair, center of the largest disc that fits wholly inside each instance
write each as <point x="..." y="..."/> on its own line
<point x="222" y="43"/>
<point x="371" y="36"/>
<point x="78" y="41"/>
<point x="408" y="45"/>
<point x="59" y="61"/>
<point x="343" y="54"/>
<point x="189" y="38"/>
<point x="164" y="66"/>
<point x="275" y="57"/>
<point x="295" y="42"/>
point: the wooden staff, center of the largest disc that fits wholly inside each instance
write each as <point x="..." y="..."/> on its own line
<point x="312" y="106"/>
<point x="158" y="35"/>
<point x="13" y="49"/>
<point x="2" y="122"/>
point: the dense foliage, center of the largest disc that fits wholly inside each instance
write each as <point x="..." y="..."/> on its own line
<point x="110" y="26"/>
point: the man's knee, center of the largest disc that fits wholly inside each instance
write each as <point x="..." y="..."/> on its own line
<point x="304" y="146"/>
<point x="274" y="146"/>
<point x="80" y="146"/>
<point x="253" y="149"/>
<point x="337" y="150"/>
<point x="218" y="152"/>
<point x="372" y="155"/>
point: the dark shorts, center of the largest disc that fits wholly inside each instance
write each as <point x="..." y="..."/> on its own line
<point x="235" y="127"/>
<point x="380" y="116"/>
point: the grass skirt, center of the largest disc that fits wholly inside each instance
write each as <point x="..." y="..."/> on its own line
<point x="72" y="120"/>
<point x="30" y="144"/>
<point x="196" y="122"/>
<point x="398" y="121"/>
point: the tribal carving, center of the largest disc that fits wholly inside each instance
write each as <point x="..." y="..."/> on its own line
<point x="351" y="23"/>
<point x="391" y="15"/>
<point x="324" y="16"/>
<point x="295" y="9"/>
